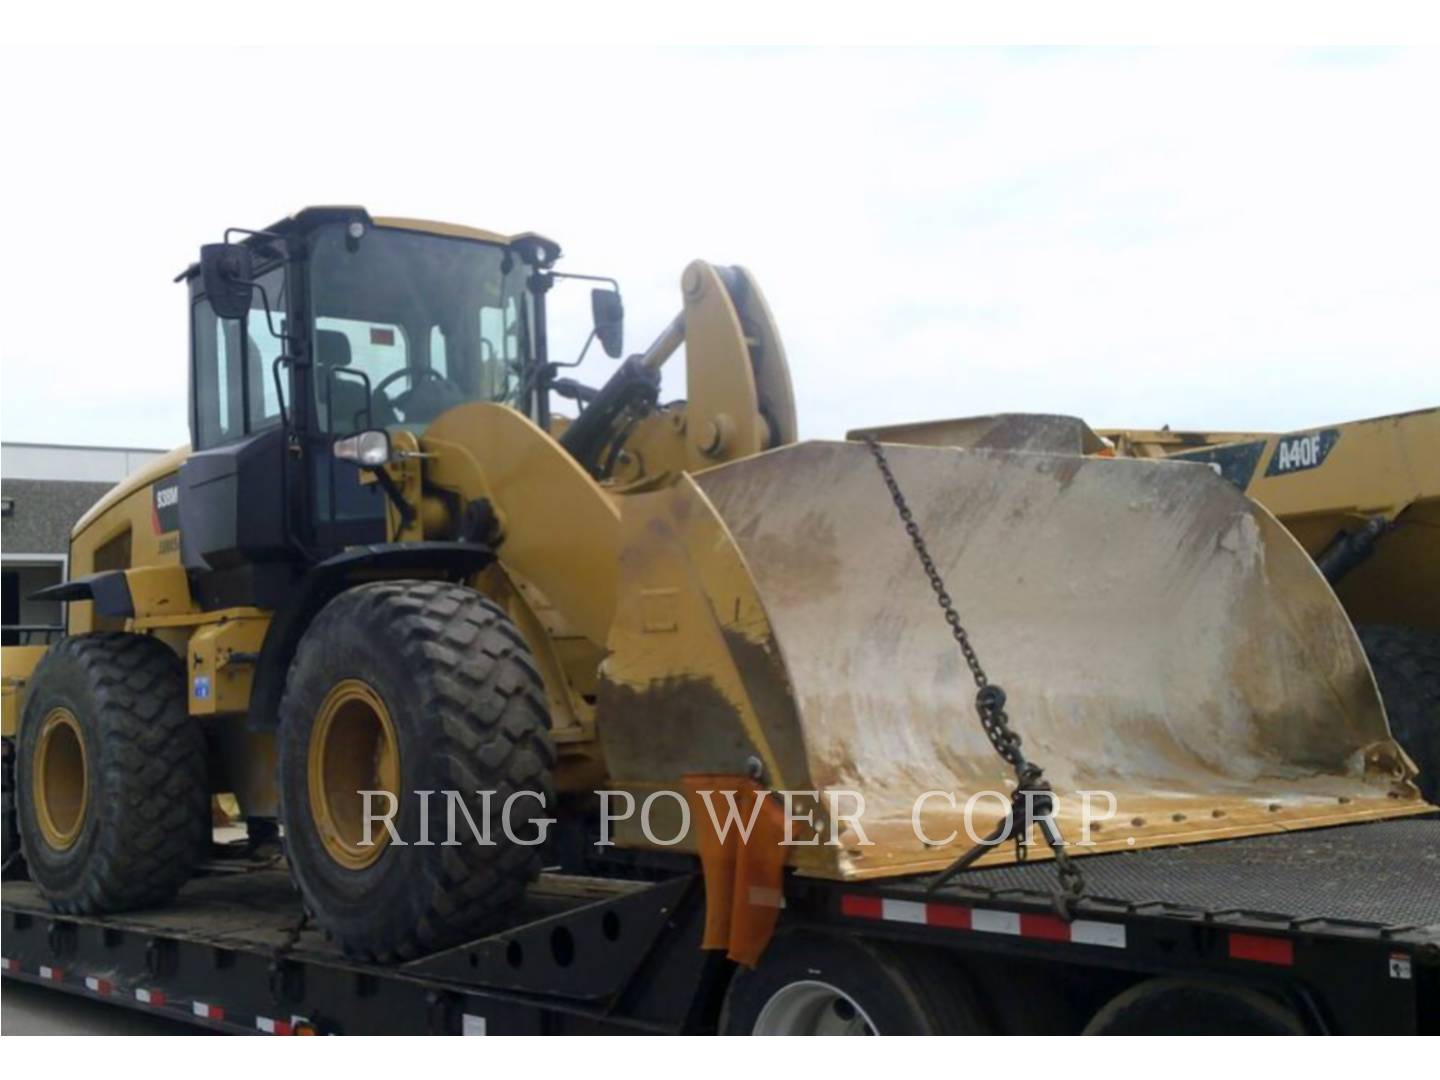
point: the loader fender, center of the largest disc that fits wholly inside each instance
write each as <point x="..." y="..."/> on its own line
<point x="327" y="580"/>
<point x="108" y="589"/>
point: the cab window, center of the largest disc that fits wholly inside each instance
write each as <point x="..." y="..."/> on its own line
<point x="219" y="393"/>
<point x="264" y="345"/>
<point x="234" y="387"/>
<point x="345" y="350"/>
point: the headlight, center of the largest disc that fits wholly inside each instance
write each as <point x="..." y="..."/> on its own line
<point x="368" y="448"/>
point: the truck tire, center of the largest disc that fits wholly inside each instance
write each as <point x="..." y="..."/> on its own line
<point x="12" y="865"/>
<point x="1183" y="1006"/>
<point x="402" y="687"/>
<point x="1406" y="663"/>
<point x="810" y="983"/>
<point x="112" y="778"/>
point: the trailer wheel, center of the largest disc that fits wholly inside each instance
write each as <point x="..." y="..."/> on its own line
<point x="401" y="687"/>
<point x="1406" y="663"/>
<point x="815" y="984"/>
<point x="1179" y="1006"/>
<point x="114" y="801"/>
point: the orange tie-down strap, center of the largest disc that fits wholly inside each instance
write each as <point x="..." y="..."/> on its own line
<point x="743" y="862"/>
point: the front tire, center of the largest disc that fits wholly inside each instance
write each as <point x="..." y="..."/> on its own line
<point x="111" y="775"/>
<point x="406" y="687"/>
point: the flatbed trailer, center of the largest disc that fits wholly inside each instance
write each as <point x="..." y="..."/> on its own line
<point x="1327" y="931"/>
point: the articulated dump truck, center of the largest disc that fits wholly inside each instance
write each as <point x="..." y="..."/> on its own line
<point x="1022" y="737"/>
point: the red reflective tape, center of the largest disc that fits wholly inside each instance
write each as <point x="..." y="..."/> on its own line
<point x="1262" y="949"/>
<point x="949" y="916"/>
<point x="1045" y="927"/>
<point x="98" y="986"/>
<point x="864" y="907"/>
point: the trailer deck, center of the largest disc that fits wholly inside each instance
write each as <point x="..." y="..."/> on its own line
<point x="1384" y="875"/>
<point x="1346" y="921"/>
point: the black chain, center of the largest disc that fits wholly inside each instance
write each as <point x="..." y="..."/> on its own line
<point x="990" y="705"/>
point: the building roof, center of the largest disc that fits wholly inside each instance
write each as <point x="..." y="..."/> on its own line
<point x="64" y="462"/>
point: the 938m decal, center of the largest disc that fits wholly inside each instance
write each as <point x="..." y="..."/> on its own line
<point x="166" y="507"/>
<point x="1296" y="453"/>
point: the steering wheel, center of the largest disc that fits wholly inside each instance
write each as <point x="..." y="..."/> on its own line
<point x="416" y="377"/>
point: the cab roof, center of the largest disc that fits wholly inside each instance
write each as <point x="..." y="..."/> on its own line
<point x="545" y="250"/>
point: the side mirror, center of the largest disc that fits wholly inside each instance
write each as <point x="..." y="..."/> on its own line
<point x="226" y="274"/>
<point x="609" y="313"/>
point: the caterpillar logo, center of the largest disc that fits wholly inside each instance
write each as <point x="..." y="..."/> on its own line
<point x="165" y="509"/>
<point x="1296" y="453"/>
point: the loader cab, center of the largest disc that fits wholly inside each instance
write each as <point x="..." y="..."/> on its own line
<point x="328" y="324"/>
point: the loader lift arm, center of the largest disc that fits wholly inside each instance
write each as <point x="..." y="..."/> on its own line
<point x="740" y="398"/>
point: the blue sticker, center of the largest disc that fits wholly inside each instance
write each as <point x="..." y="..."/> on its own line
<point x="202" y="686"/>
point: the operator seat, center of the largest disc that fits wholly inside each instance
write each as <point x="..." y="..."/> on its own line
<point x="343" y="401"/>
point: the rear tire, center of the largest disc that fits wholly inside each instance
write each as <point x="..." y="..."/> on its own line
<point x="809" y="983"/>
<point x="1406" y="663"/>
<point x="409" y="686"/>
<point x="12" y="864"/>
<point x="1182" y="1006"/>
<point x="114" y="801"/>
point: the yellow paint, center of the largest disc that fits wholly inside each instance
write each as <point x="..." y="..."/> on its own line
<point x="142" y="477"/>
<point x="442" y="228"/>
<point x="198" y="618"/>
<point x="17" y="665"/>
<point x="1387" y="467"/>
<point x="60" y="785"/>
<point x="210" y="656"/>
<point x="119" y="532"/>
<point x="353" y="748"/>
<point x="723" y="421"/>
<point x="561" y="531"/>
<point x="159" y="591"/>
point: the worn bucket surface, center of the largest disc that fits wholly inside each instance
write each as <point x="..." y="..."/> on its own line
<point x="1160" y="638"/>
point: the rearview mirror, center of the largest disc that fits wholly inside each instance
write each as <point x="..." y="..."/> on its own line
<point x="225" y="272"/>
<point x="609" y="313"/>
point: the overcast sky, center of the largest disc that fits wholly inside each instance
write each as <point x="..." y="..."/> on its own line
<point x="1231" y="239"/>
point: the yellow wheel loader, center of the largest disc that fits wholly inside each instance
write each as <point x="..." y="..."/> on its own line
<point x="385" y="570"/>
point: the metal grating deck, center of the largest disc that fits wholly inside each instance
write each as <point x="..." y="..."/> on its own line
<point x="1385" y="874"/>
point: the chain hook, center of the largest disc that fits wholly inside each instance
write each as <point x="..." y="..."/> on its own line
<point x="1021" y="816"/>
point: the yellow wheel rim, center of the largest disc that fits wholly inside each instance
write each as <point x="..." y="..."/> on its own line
<point x="353" y="748"/>
<point x="61" y="779"/>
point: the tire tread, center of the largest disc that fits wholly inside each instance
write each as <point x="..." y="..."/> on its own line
<point x="153" y="775"/>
